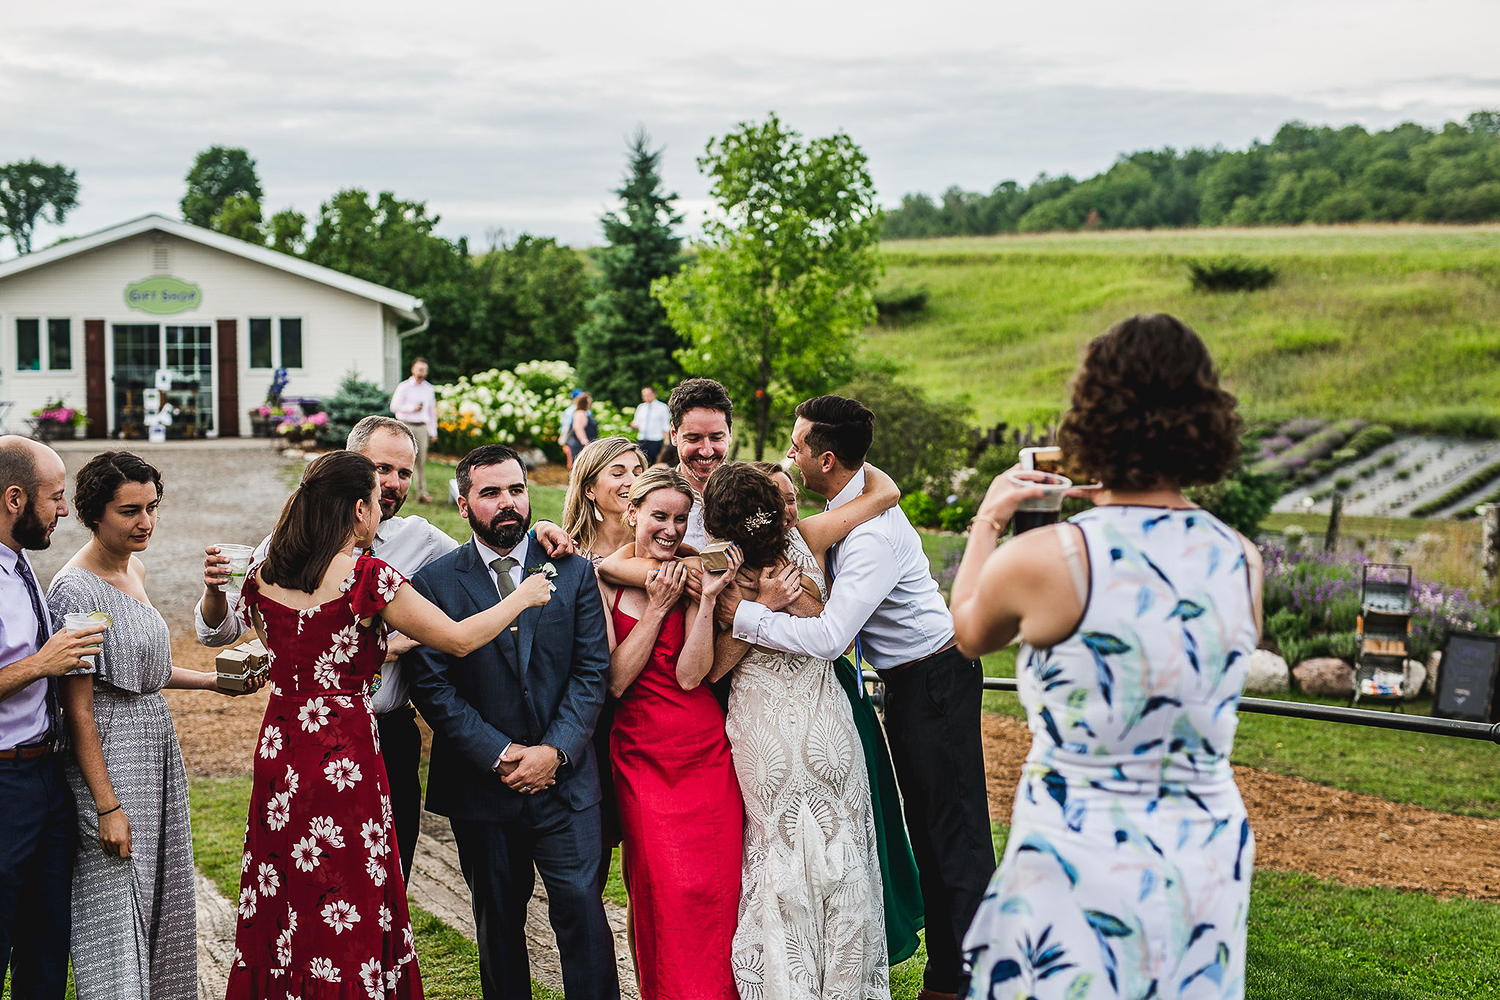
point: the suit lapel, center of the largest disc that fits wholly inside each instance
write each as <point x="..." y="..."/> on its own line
<point x="476" y="579"/>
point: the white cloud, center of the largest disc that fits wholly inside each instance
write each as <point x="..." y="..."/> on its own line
<point x="515" y="116"/>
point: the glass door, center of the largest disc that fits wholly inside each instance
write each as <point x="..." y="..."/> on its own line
<point x="139" y="350"/>
<point x="190" y="358"/>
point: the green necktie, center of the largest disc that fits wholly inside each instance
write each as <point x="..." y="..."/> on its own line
<point x="502" y="567"/>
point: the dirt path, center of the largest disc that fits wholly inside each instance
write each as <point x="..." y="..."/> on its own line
<point x="1355" y="839"/>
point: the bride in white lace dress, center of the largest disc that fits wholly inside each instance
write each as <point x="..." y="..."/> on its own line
<point x="811" y="917"/>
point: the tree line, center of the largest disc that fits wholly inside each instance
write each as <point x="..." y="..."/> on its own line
<point x="1317" y="174"/>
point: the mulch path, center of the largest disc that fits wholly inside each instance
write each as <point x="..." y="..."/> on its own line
<point x="1355" y="839"/>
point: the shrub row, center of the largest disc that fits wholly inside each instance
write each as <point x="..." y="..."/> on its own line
<point x="1313" y="448"/>
<point x="1480" y="479"/>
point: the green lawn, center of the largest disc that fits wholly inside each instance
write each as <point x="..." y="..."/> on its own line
<point x="1395" y="322"/>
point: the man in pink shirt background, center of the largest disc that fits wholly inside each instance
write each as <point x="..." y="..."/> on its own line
<point x="415" y="404"/>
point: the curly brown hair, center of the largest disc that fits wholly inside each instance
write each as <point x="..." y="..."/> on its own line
<point x="1148" y="410"/>
<point x="100" y="479"/>
<point x="742" y="505"/>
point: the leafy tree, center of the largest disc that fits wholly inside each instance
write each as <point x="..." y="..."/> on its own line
<point x="240" y="217"/>
<point x="1242" y="500"/>
<point x="534" y="302"/>
<point x="218" y="174"/>
<point x="782" y="286"/>
<point x="31" y="190"/>
<point x="289" y="232"/>
<point x="626" y="342"/>
<point x="919" y="442"/>
<point x="391" y="242"/>
<point x="1305" y="173"/>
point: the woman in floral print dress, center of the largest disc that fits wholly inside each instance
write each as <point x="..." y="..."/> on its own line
<point x="1127" y="869"/>
<point x="322" y="909"/>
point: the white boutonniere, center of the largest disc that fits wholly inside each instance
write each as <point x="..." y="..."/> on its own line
<point x="549" y="571"/>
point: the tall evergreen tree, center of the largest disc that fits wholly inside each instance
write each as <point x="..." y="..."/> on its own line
<point x="626" y="342"/>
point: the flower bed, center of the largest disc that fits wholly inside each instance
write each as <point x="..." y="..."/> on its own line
<point x="523" y="408"/>
<point x="1312" y="604"/>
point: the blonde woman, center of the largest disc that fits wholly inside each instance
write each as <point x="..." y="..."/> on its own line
<point x="679" y="801"/>
<point x="598" y="493"/>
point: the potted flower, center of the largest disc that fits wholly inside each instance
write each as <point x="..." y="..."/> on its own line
<point x="55" y="420"/>
<point x="269" y="413"/>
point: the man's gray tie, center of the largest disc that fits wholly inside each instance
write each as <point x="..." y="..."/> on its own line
<point x="502" y="567"/>
<point x="503" y="580"/>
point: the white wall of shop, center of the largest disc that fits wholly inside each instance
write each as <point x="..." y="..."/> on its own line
<point x="341" y="331"/>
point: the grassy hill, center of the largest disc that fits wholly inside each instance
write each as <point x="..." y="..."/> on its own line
<point x="1397" y="323"/>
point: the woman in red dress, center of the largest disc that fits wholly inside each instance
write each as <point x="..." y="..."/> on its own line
<point x="322" y="909"/>
<point x="679" y="800"/>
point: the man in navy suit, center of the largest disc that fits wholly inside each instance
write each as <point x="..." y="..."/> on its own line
<point x="511" y="762"/>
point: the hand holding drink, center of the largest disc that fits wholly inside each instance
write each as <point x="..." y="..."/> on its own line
<point x="226" y="566"/>
<point x="95" y="622"/>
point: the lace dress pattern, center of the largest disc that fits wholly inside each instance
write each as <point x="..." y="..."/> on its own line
<point x="811" y="919"/>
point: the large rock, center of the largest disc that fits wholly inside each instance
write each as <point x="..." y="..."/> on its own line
<point x="1413" y="680"/>
<point x="1268" y="674"/>
<point x="1324" y="675"/>
<point x="1429" y="686"/>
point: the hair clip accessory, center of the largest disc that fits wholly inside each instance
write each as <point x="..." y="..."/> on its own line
<point x="758" y="520"/>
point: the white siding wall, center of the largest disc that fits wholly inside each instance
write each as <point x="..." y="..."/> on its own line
<point x="340" y="331"/>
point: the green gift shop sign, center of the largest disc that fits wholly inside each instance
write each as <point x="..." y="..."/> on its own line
<point x="163" y="295"/>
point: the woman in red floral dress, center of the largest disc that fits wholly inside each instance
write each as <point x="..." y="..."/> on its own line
<point x="322" y="909"/>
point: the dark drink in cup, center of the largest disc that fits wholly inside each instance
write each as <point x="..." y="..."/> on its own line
<point x="1041" y="510"/>
<point x="1025" y="520"/>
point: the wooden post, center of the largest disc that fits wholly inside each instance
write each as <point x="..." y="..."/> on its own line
<point x="1489" y="548"/>
<point x="1331" y="540"/>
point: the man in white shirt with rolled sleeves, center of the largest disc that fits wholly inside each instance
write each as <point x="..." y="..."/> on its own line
<point x="882" y="594"/>
<point x="415" y="404"/>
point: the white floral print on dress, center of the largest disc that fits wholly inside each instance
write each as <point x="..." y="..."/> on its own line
<point x="389" y="584"/>
<point x="268" y="879"/>
<point x="323" y="968"/>
<point x="375" y="868"/>
<point x="342" y="773"/>
<point x="279" y="810"/>
<point x="340" y="915"/>
<point x="345" y="643"/>
<point x="306" y="854"/>
<point x="324" y="828"/>
<point x="326" y="671"/>
<point x="247" y="902"/>
<point x="313" y="715"/>
<point x="374" y="835"/>
<point x="370" y="975"/>
<point x="270" y="743"/>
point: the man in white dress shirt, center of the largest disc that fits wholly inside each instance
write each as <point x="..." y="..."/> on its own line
<point x="651" y="422"/>
<point x="702" y="417"/>
<point x="415" y="404"/>
<point x="882" y="593"/>
<point x="407" y="544"/>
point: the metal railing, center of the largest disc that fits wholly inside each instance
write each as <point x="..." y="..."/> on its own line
<point x="1324" y="713"/>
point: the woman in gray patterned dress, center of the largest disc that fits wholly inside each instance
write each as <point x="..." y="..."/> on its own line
<point x="134" y="914"/>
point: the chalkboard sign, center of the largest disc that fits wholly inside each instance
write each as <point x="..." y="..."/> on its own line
<point x="1466" y="677"/>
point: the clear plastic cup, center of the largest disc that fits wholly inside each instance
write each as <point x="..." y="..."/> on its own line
<point x="239" y="565"/>
<point x="1041" y="510"/>
<point x="75" y="620"/>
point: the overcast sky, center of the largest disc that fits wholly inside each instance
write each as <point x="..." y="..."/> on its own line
<point x="515" y="116"/>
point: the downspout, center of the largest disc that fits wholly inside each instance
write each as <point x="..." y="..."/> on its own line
<point x="421" y="311"/>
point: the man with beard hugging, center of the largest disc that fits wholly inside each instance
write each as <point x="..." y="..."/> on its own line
<point x="512" y="761"/>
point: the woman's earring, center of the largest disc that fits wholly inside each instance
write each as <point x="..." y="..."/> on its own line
<point x="598" y="514"/>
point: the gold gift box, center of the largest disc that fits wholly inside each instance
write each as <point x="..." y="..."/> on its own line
<point x="241" y="666"/>
<point x="715" y="557"/>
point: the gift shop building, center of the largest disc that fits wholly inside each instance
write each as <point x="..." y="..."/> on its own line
<point x="158" y="310"/>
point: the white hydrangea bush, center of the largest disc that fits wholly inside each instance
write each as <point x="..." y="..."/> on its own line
<point x="521" y="408"/>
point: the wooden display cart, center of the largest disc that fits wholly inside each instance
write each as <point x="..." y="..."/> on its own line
<point x="1384" y="628"/>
